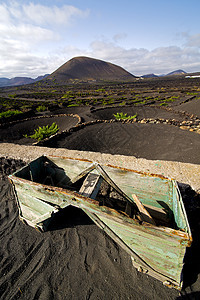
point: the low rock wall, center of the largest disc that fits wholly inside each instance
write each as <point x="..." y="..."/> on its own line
<point x="182" y="172"/>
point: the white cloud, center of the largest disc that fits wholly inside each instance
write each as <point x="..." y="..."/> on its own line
<point x="28" y="33"/>
<point x="41" y="14"/>
<point x="29" y="28"/>
<point x="142" y="61"/>
<point x="5" y="14"/>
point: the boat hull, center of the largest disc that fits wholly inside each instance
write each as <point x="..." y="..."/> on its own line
<point x="156" y="250"/>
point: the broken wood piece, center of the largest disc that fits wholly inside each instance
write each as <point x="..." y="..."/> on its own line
<point x="144" y="213"/>
<point x="91" y="185"/>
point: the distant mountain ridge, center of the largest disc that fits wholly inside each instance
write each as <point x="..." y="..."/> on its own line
<point x="149" y="76"/>
<point x="86" y="69"/>
<point x="89" y="69"/>
<point x="177" y="72"/>
<point x="19" y="80"/>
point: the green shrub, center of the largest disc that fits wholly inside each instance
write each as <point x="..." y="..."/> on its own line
<point x="73" y="105"/>
<point x="9" y="113"/>
<point x="44" y="132"/>
<point x="41" y="108"/>
<point x="68" y="94"/>
<point x="122" y="116"/>
<point x="12" y="96"/>
<point x="100" y="90"/>
<point x="192" y="93"/>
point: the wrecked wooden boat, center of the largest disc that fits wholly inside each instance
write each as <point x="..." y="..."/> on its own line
<point x="142" y="212"/>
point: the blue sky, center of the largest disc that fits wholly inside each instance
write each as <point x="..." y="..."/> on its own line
<point x="146" y="36"/>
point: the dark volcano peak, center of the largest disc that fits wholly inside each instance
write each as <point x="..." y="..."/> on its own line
<point x="86" y="69"/>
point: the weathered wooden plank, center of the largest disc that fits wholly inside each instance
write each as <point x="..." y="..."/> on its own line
<point x="148" y="188"/>
<point x="151" y="248"/>
<point x="178" y="209"/>
<point x="34" y="210"/>
<point x="144" y="213"/>
<point x="72" y="167"/>
<point x="40" y="191"/>
<point x="40" y="207"/>
<point x="90" y="186"/>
